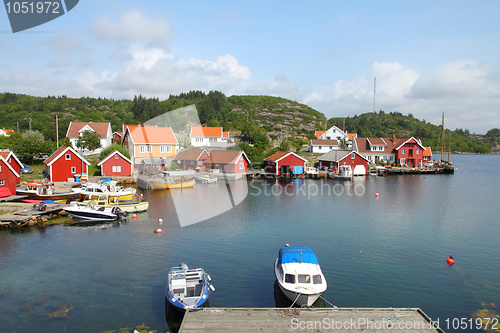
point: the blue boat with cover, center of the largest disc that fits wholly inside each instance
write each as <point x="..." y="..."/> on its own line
<point x="299" y="275"/>
<point x="187" y="288"/>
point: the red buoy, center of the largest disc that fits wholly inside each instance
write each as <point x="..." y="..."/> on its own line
<point x="158" y="231"/>
<point x="376" y="195"/>
<point x="450" y="260"/>
<point x="134" y="216"/>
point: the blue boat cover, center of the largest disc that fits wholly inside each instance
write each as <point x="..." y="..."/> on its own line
<point x="292" y="254"/>
<point x="298" y="170"/>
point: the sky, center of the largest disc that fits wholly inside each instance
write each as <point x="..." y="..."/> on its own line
<point x="427" y="57"/>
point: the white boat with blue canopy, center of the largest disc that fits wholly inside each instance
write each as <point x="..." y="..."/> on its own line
<point x="187" y="288"/>
<point x="299" y="275"/>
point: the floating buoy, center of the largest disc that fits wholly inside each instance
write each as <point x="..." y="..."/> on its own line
<point x="399" y="177"/>
<point x="376" y="195"/>
<point x="287" y="245"/>
<point x="425" y="177"/>
<point x="450" y="260"/>
<point x="160" y="221"/>
<point x="134" y="216"/>
<point x="158" y="231"/>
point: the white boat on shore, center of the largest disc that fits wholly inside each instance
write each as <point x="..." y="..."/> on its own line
<point x="187" y="288"/>
<point x="299" y="275"/>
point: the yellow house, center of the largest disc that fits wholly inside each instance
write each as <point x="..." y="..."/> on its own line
<point x="150" y="145"/>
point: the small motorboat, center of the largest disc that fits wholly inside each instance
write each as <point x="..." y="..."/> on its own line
<point x="299" y="275"/>
<point x="93" y="213"/>
<point x="345" y="173"/>
<point x="187" y="288"/>
<point x="92" y="191"/>
<point x="136" y="205"/>
<point x="44" y="191"/>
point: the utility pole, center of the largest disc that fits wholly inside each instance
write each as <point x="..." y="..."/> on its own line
<point x="374" y="90"/>
<point x="57" y="132"/>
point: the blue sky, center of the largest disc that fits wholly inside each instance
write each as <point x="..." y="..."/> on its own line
<point x="428" y="57"/>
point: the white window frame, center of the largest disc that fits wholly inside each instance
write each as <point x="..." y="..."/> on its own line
<point x="2" y="182"/>
<point x="417" y="151"/>
<point x="149" y="149"/>
<point x="142" y="148"/>
<point x="403" y="151"/>
<point x="73" y="169"/>
<point x="116" y="168"/>
<point x="162" y="149"/>
<point x="242" y="165"/>
<point x="168" y="149"/>
<point x="67" y="157"/>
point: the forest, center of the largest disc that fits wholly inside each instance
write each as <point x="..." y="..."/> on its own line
<point x="263" y="124"/>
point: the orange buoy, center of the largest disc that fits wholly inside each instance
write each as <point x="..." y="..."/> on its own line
<point x="158" y="231"/>
<point x="450" y="260"/>
<point x="376" y="195"/>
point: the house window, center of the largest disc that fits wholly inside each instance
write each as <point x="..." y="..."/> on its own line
<point x="0" y="168"/>
<point x="242" y="165"/>
<point x="168" y="148"/>
<point x="67" y="156"/>
<point x="116" y="156"/>
<point x="199" y="139"/>
<point x="204" y="154"/>
<point x="417" y="151"/>
<point x="212" y="140"/>
<point x="200" y="162"/>
<point x="403" y="151"/>
<point x="2" y="182"/>
<point x="142" y="149"/>
<point x="73" y="169"/>
<point x="149" y="149"/>
<point x="380" y="148"/>
<point x="331" y="147"/>
<point x="353" y="156"/>
<point x="117" y="168"/>
<point x="162" y="149"/>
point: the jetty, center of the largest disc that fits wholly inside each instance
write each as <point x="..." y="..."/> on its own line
<point x="274" y="320"/>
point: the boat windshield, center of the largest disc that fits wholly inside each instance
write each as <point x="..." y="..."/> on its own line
<point x="317" y="279"/>
<point x="304" y="278"/>
<point x="289" y="278"/>
<point x="178" y="274"/>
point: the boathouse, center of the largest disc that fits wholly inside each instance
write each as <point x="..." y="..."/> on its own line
<point x="65" y="163"/>
<point x="284" y="162"/>
<point x="191" y="159"/>
<point x="230" y="161"/>
<point x="9" y="178"/>
<point x="115" y="164"/>
<point x="335" y="158"/>
<point x="14" y="162"/>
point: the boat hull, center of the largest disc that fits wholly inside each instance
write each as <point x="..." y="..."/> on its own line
<point x="299" y="299"/>
<point x="161" y="185"/>
<point x="54" y="197"/>
<point x="82" y="215"/>
<point x="129" y="207"/>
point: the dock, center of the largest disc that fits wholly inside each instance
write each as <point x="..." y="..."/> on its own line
<point x="275" y="320"/>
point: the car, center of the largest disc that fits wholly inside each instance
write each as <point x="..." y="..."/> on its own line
<point x="26" y="169"/>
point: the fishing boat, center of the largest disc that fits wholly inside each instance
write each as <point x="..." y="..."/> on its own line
<point x="187" y="288"/>
<point x="299" y="275"/>
<point x="93" y="213"/>
<point x="136" y="205"/>
<point x="344" y="173"/>
<point x="44" y="191"/>
<point x="92" y="191"/>
<point x="169" y="180"/>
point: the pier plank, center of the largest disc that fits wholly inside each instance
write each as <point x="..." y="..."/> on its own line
<point x="307" y="320"/>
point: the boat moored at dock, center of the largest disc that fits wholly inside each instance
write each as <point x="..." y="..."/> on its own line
<point x="187" y="288"/>
<point x="299" y="275"/>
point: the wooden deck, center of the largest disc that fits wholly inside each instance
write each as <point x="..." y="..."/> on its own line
<point x="275" y="320"/>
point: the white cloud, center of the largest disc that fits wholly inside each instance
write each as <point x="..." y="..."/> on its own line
<point x="133" y="25"/>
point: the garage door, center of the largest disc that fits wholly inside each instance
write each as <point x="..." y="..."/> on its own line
<point x="359" y="170"/>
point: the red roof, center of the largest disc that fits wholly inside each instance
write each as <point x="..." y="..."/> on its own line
<point x="281" y="154"/>
<point x="197" y="131"/>
<point x="427" y="152"/>
<point x="59" y="152"/>
<point x="189" y="154"/>
<point x="75" y="127"/>
<point x="226" y="156"/>
<point x="351" y="136"/>
<point x="319" y="133"/>
<point x="151" y="134"/>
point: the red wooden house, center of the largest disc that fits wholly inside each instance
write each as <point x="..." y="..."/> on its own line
<point x="190" y="159"/>
<point x="230" y="161"/>
<point x="427" y="155"/>
<point x="14" y="162"/>
<point x="409" y="152"/>
<point x="65" y="163"/>
<point x="115" y="164"/>
<point x="8" y="178"/>
<point x="284" y="162"/>
<point x="335" y="158"/>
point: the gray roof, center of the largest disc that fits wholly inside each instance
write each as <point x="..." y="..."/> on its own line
<point x="334" y="155"/>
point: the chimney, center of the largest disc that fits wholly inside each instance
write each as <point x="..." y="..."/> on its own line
<point x="394" y="139"/>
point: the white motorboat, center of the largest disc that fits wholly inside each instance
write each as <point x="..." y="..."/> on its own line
<point x="345" y="173"/>
<point x="299" y="275"/>
<point x="91" y="212"/>
<point x="92" y="191"/>
<point x="136" y="205"/>
<point x="187" y="288"/>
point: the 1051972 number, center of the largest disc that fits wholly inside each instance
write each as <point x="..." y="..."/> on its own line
<point x="25" y="7"/>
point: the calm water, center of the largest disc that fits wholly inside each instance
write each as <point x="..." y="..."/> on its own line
<point x="375" y="252"/>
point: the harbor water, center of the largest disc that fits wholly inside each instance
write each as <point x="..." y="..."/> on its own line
<point x="388" y="250"/>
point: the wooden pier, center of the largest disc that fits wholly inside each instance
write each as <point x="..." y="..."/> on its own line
<point x="274" y="320"/>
